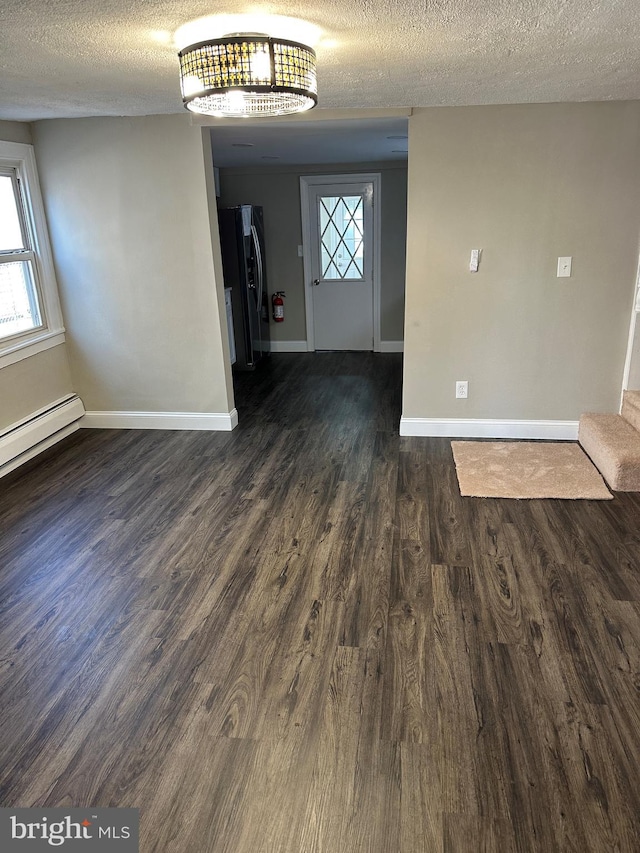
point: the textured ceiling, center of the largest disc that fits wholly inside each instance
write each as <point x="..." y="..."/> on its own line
<point x="62" y="58"/>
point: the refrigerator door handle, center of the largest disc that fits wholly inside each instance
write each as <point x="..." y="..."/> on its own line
<point x="256" y="244"/>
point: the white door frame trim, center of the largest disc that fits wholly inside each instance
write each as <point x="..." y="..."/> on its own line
<point x="635" y="317"/>
<point x="307" y="181"/>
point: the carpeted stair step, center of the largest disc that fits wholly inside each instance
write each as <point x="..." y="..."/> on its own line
<point x="631" y="408"/>
<point x="614" y="447"/>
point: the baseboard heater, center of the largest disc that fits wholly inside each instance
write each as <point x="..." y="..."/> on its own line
<point x="30" y="436"/>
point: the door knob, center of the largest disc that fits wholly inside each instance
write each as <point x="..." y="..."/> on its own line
<point x="316" y="281"/>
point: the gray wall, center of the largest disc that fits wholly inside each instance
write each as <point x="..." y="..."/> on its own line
<point x="277" y="190"/>
<point x="15" y="131"/>
<point x="525" y="184"/>
<point x="32" y="384"/>
<point x="126" y="200"/>
<point x="128" y="212"/>
<point x="35" y="382"/>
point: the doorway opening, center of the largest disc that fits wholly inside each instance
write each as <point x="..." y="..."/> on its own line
<point x="363" y="220"/>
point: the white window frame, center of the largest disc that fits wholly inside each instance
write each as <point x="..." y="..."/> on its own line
<point x="21" y="157"/>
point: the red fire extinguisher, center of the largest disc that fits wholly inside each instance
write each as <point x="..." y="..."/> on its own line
<point x="278" y="306"/>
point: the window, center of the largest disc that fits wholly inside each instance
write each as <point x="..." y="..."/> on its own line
<point x="342" y="235"/>
<point x="30" y="318"/>
<point x="19" y="302"/>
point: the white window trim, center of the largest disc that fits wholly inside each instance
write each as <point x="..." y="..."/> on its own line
<point x="21" y="157"/>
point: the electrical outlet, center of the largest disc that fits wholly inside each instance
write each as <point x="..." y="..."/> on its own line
<point x="462" y="389"/>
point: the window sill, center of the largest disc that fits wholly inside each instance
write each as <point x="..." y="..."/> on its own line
<point x="16" y="351"/>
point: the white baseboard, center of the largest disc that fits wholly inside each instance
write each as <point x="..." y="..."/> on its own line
<point x="391" y="346"/>
<point x="214" y="421"/>
<point x="289" y="346"/>
<point x="30" y="436"/>
<point x="468" y="428"/>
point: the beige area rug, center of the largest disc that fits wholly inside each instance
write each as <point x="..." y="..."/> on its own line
<point x="526" y="469"/>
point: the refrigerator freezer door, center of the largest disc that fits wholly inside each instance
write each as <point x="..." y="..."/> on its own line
<point x="244" y="273"/>
<point x="254" y="274"/>
<point x="263" y="302"/>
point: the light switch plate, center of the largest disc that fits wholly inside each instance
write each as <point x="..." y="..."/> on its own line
<point x="564" y="267"/>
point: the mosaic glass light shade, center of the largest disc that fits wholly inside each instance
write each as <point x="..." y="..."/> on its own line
<point x="248" y="75"/>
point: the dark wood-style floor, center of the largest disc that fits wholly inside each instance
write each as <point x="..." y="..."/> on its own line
<point x="298" y="637"/>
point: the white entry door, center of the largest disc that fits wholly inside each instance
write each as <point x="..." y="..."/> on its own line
<point x="340" y="272"/>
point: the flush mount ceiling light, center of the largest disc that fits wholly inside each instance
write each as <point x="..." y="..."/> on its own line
<point x="248" y="74"/>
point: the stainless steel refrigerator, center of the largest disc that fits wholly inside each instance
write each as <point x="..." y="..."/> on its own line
<point x="242" y="243"/>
